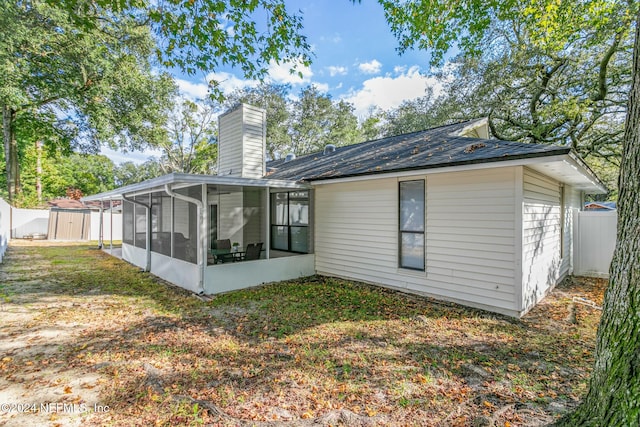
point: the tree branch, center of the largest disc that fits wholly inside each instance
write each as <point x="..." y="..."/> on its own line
<point x="604" y="63"/>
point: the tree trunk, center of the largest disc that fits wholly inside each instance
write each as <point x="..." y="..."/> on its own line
<point x="39" y="170"/>
<point x="6" y="141"/>
<point x="10" y="152"/>
<point x="614" y="389"/>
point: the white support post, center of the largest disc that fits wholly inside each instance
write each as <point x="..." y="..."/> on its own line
<point x="111" y="226"/>
<point x="204" y="231"/>
<point x="101" y="228"/>
<point x="267" y="238"/>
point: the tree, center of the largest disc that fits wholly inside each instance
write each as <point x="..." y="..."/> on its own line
<point x="613" y="398"/>
<point x="129" y="173"/>
<point x="98" y="78"/>
<point x="371" y="126"/>
<point x="574" y="96"/>
<point x="191" y="147"/>
<point x="614" y="388"/>
<point x="317" y="121"/>
<point x="202" y="35"/>
<point x="418" y="114"/>
<point x="89" y="173"/>
<point x="535" y="79"/>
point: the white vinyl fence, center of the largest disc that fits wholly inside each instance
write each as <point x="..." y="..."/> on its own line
<point x="27" y="222"/>
<point x="107" y="223"/>
<point x="594" y="240"/>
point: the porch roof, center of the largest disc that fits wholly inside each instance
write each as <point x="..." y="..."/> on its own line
<point x="179" y="180"/>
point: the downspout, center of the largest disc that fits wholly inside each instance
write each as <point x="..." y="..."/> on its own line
<point x="148" y="237"/>
<point x="202" y="258"/>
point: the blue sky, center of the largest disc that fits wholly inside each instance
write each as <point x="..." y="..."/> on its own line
<point x="355" y="59"/>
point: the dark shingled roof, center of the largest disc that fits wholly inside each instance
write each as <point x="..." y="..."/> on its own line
<point x="431" y="148"/>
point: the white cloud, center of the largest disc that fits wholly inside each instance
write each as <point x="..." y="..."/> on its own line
<point x="336" y="38"/>
<point x="372" y="67"/>
<point x="192" y="90"/>
<point x="336" y="70"/>
<point x="136" y="157"/>
<point x="227" y="82"/>
<point x="280" y="73"/>
<point x="389" y="92"/>
<point x="322" y="87"/>
<point x="399" y="69"/>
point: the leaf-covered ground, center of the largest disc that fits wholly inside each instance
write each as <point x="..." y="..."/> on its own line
<point x="87" y="339"/>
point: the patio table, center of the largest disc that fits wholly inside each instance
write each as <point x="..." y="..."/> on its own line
<point x="226" y="255"/>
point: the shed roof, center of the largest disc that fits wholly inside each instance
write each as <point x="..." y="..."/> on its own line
<point x="66" y="204"/>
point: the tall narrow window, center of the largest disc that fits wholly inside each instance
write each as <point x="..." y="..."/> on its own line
<point x="290" y="221"/>
<point x="412" y="224"/>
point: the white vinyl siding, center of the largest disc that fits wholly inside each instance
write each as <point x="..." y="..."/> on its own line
<point x="241" y="145"/>
<point x="470" y="236"/>
<point x="254" y="142"/>
<point x="253" y="213"/>
<point x="541" y="262"/>
<point x="470" y="243"/>
<point x="356" y="232"/>
<point x="230" y="208"/>
<point x="230" y="144"/>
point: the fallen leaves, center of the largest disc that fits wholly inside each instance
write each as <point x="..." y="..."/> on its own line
<point x="303" y="350"/>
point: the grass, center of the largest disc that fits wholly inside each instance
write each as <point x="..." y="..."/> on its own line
<point x="299" y="350"/>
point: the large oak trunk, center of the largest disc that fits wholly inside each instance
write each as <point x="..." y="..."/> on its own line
<point x="614" y="389"/>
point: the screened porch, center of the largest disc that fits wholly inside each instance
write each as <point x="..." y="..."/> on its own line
<point x="172" y="226"/>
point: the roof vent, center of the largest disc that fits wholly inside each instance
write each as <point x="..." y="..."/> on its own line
<point x="329" y="148"/>
<point x="289" y="157"/>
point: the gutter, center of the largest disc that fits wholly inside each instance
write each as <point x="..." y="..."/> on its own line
<point x="202" y="258"/>
<point x="148" y="237"/>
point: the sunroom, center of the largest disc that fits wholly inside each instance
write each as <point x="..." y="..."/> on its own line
<point x="171" y="226"/>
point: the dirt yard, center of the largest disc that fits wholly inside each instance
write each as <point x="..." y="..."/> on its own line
<point x="87" y="339"/>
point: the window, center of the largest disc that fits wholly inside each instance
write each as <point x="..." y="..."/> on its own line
<point x="412" y="224"/>
<point x="290" y="221"/>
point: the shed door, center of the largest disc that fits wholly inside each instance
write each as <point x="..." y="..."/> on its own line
<point x="69" y="225"/>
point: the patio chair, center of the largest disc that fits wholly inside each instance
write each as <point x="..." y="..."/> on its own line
<point x="252" y="252"/>
<point x="222" y="244"/>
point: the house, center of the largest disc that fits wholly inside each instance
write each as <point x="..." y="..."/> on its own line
<point x="443" y="212"/>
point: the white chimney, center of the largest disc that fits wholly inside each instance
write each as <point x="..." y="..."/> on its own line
<point x="242" y="138"/>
